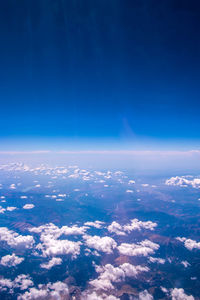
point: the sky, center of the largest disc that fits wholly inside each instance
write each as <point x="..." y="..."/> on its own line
<point x="103" y="74"/>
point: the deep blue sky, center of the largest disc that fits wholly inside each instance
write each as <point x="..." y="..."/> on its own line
<point x="100" y="70"/>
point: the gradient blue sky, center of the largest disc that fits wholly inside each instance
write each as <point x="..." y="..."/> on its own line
<point x="99" y="73"/>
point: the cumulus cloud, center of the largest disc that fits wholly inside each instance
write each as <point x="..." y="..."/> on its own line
<point x="138" y="225"/>
<point x="11" y="208"/>
<point x="11" y="260"/>
<point x="143" y="248"/>
<point x="28" y="206"/>
<point x="53" y="262"/>
<point x="145" y="296"/>
<point x="96" y="224"/>
<point x="21" y="282"/>
<point x="179" y="294"/>
<point x="55" y="232"/>
<point x="183" y="181"/>
<point x="188" y="243"/>
<point x="50" y="244"/>
<point x="116" y="228"/>
<point x="157" y="260"/>
<point x="58" y="290"/>
<point x="134" y="224"/>
<point x="54" y="247"/>
<point x="13" y="239"/>
<point x="110" y="274"/>
<point x="94" y="296"/>
<point x="104" y="244"/>
<point x="131" y="182"/>
<point x="185" y="263"/>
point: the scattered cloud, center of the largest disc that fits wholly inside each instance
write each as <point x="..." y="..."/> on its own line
<point x="13" y="239"/>
<point x="179" y="294"/>
<point x="184" y="181"/>
<point x="188" y="243"/>
<point x="28" y="206"/>
<point x="104" y="244"/>
<point x="58" y="290"/>
<point x="53" y="262"/>
<point x="143" y="248"/>
<point x="11" y="260"/>
<point x="109" y="274"/>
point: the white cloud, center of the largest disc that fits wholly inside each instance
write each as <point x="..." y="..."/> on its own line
<point x="54" y="247"/>
<point x="185" y="263"/>
<point x="50" y="244"/>
<point x="58" y="290"/>
<point x="143" y="248"/>
<point x="179" y="294"/>
<point x="138" y="225"/>
<point x="12" y="186"/>
<point x="11" y="260"/>
<point x="21" y="282"/>
<point x="103" y="244"/>
<point x="116" y="228"/>
<point x="183" y="181"/>
<point x="28" y="206"/>
<point x="94" y="296"/>
<point x="11" y="208"/>
<point x="96" y="224"/>
<point x="157" y="260"/>
<point x="135" y="224"/>
<point x="145" y="296"/>
<point x="53" y="262"/>
<point x="188" y="243"/>
<point x="131" y="182"/>
<point x="13" y="239"/>
<point x="110" y="274"/>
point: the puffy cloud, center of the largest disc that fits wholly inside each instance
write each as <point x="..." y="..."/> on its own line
<point x="179" y="294"/>
<point x="96" y="224"/>
<point x="116" y="228"/>
<point x="11" y="260"/>
<point x="21" y="282"/>
<point x="143" y="248"/>
<point x="138" y="225"/>
<point x="94" y="296"/>
<point x="58" y="290"/>
<point x="104" y="244"/>
<point x="185" y="263"/>
<point x="183" y="181"/>
<point x="188" y="243"/>
<point x="11" y="208"/>
<point x="53" y="247"/>
<point x="157" y="260"/>
<point x="50" y="244"/>
<point x="12" y="186"/>
<point x="28" y="206"/>
<point x="53" y="262"/>
<point x="55" y="232"/>
<point x="145" y="296"/>
<point x="13" y="239"/>
<point x="131" y="182"/>
<point x="135" y="224"/>
<point x="110" y="274"/>
<point x="2" y="210"/>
